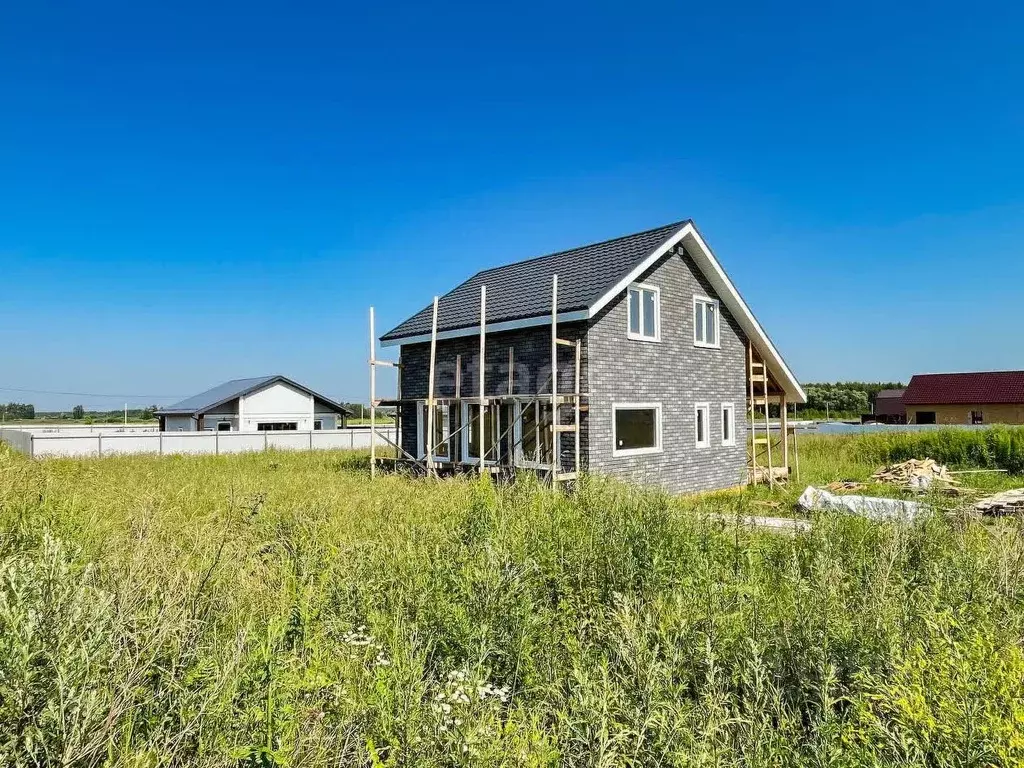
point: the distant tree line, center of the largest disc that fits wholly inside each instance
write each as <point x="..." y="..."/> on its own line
<point x="842" y="399"/>
<point x="19" y="411"/>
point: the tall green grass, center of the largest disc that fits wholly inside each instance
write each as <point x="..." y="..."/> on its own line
<point x="274" y="609"/>
<point x="995" y="448"/>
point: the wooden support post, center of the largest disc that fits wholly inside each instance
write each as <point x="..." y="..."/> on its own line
<point x="373" y="397"/>
<point x="753" y="423"/>
<point x="784" y="427"/>
<point x="556" y="440"/>
<point x="511" y="363"/>
<point x="576" y="467"/>
<point x="458" y="377"/>
<point x="767" y="427"/>
<point x="429" y="441"/>
<point x="483" y="322"/>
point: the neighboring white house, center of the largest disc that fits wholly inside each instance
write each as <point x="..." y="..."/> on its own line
<point x="264" y="403"/>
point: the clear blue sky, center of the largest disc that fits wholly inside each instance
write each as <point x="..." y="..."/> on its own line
<point x="190" y="194"/>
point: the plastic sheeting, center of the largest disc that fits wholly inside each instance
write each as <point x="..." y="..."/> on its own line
<point x="871" y="507"/>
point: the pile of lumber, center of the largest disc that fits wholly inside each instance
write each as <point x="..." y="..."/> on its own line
<point x="1005" y="503"/>
<point x="919" y="475"/>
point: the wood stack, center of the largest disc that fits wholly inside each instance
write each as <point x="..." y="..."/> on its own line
<point x="919" y="475"/>
<point x="1005" y="503"/>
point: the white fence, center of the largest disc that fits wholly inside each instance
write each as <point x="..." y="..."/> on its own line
<point x="38" y="444"/>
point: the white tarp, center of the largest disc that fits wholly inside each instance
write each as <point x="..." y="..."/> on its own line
<point x="871" y="507"/>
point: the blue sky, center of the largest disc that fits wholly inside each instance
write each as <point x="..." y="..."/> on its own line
<point x="190" y="194"/>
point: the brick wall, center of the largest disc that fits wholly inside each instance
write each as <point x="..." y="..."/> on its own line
<point x="676" y="374"/>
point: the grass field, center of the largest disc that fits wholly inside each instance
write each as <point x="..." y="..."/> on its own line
<point x="279" y="609"/>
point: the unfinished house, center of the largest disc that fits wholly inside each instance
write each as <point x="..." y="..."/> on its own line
<point x="634" y="357"/>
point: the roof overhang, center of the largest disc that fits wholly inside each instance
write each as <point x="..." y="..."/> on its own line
<point x="712" y="270"/>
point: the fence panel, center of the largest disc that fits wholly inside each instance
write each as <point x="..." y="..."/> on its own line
<point x="80" y="443"/>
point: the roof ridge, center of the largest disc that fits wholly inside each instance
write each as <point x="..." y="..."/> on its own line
<point x="594" y="244"/>
<point x="970" y="373"/>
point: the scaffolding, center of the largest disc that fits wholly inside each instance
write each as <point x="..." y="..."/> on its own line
<point x="768" y="447"/>
<point x="500" y="449"/>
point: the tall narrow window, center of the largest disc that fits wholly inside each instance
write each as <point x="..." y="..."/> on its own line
<point x="636" y="428"/>
<point x="471" y="433"/>
<point x="728" y="424"/>
<point x="643" y="308"/>
<point x="702" y="413"/>
<point x="705" y="322"/>
<point x="438" y="443"/>
<point x="535" y="434"/>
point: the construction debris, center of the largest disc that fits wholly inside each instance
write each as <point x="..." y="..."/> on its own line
<point x="845" y="485"/>
<point x="919" y="475"/>
<point x="871" y="507"/>
<point x="1005" y="503"/>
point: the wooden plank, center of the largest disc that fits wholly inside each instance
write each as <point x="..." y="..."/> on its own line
<point x="483" y="321"/>
<point x="555" y="442"/>
<point x="428" y="442"/>
<point x="373" y="398"/>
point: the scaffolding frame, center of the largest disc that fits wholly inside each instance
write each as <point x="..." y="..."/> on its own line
<point x="768" y="450"/>
<point x="512" y="435"/>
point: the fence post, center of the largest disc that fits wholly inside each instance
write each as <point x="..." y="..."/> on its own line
<point x="264" y="440"/>
<point x="216" y="443"/>
<point x="311" y="440"/>
<point x="99" y="443"/>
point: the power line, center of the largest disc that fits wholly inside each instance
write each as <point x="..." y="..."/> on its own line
<point x="83" y="394"/>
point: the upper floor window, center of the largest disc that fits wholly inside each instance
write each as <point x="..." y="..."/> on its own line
<point x="644" y="308"/>
<point x="705" y="322"/>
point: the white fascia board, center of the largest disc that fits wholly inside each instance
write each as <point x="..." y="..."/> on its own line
<point x="508" y="325"/>
<point x="712" y="270"/>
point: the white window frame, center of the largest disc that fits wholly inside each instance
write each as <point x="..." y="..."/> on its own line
<point x="521" y="458"/>
<point x="320" y="422"/>
<point x="657" y="312"/>
<point x="718" y="322"/>
<point x="421" y="428"/>
<point x="731" y="421"/>
<point x="706" y="442"/>
<point x="475" y="460"/>
<point x="658" y="448"/>
<point x="223" y="421"/>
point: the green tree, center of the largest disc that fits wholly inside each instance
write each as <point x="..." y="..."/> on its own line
<point x="78" y="412"/>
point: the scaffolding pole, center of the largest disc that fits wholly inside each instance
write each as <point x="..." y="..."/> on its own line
<point x="483" y="420"/>
<point x="556" y="440"/>
<point x="429" y="442"/>
<point x="373" y="398"/>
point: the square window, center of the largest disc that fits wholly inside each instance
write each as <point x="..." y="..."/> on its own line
<point x="644" y="309"/>
<point x="318" y="424"/>
<point x="705" y="322"/>
<point x="636" y="429"/>
<point x="223" y="426"/>
<point x="702" y="432"/>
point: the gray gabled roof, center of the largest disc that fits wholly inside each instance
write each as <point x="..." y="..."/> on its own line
<point x="523" y="289"/>
<point x="589" y="278"/>
<point x="229" y="390"/>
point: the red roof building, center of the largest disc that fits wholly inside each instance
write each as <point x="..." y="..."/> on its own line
<point x="990" y="397"/>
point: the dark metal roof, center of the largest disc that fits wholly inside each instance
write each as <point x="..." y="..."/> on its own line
<point x="523" y="289"/>
<point x="230" y="390"/>
<point x="987" y="387"/>
<point x="889" y="394"/>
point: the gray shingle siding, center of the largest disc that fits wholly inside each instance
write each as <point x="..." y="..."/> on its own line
<point x="676" y="374"/>
<point x="616" y="369"/>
